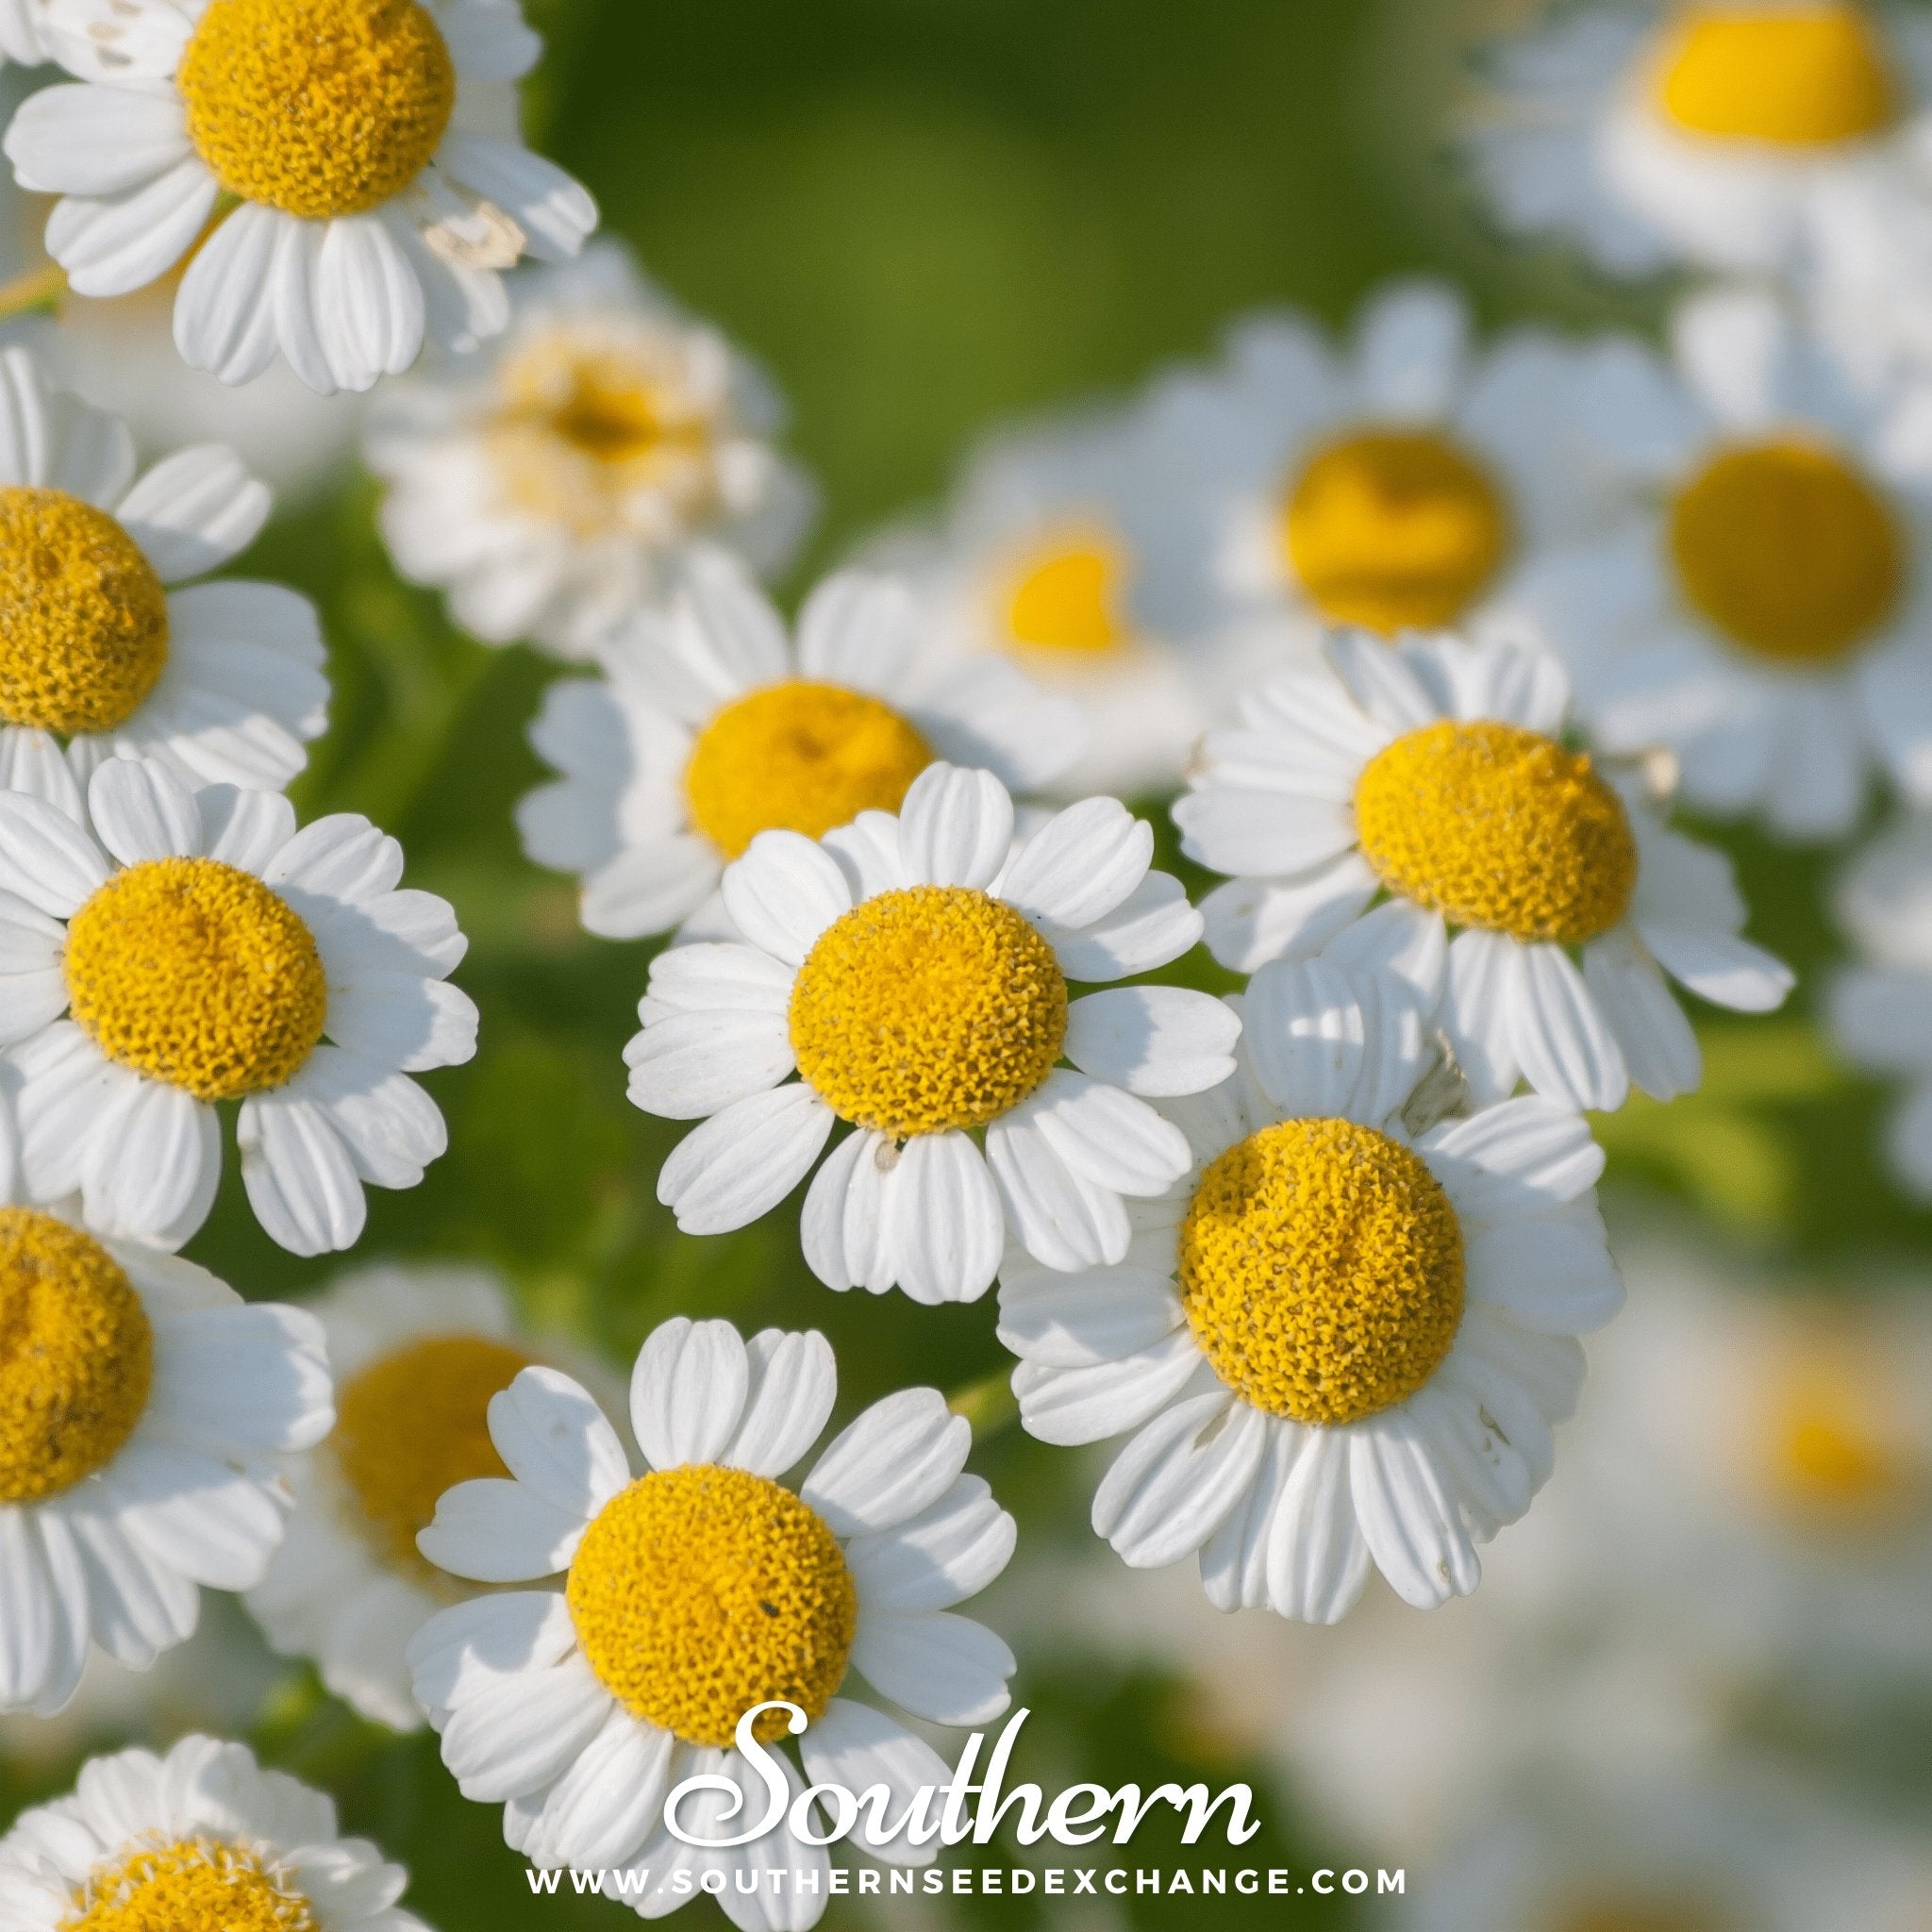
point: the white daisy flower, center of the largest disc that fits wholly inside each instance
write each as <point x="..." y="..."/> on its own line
<point x="1762" y="605"/>
<point x="913" y="972"/>
<point x="709" y="725"/>
<point x="367" y="199"/>
<point x="167" y="951"/>
<point x="1342" y="1344"/>
<point x="1434" y="770"/>
<point x="221" y="682"/>
<point x="201" y="1841"/>
<point x="142" y="1406"/>
<point x="553" y="485"/>
<point x="1712" y="132"/>
<point x="700" y="1591"/>
<point x="417" y="1353"/>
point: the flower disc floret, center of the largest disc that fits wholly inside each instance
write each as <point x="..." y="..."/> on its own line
<point x="1791" y="76"/>
<point x="77" y="1356"/>
<point x="318" y="108"/>
<point x="194" y="973"/>
<point x="1498" y="827"/>
<point x="701" y="1591"/>
<point x="799" y="756"/>
<point x="415" y="1423"/>
<point x="1322" y="1271"/>
<point x="1788" y="550"/>
<point x="928" y="1008"/>
<point x="1394" y="530"/>
<point x="83" y="617"/>
<point x="192" y="1885"/>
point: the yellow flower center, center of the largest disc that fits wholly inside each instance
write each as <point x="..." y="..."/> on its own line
<point x="799" y="756"/>
<point x="194" y="973"/>
<point x="1792" y="76"/>
<point x="415" y="1423"/>
<point x="318" y="108"/>
<point x="927" y="1008"/>
<point x="1321" y="1269"/>
<point x="77" y="1356"/>
<point x="194" y="1885"/>
<point x="1394" y="530"/>
<point x="1067" y="599"/>
<point x="701" y="1591"/>
<point x="83" y="617"/>
<point x="1499" y="827"/>
<point x="1830" y="1461"/>
<point x="1788" y="550"/>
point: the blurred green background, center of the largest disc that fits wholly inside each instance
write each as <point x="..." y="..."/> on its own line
<point x="924" y="216"/>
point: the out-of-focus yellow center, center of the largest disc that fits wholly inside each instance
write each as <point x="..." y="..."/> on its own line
<point x="799" y="756"/>
<point x="1322" y="1271"/>
<point x="928" y="1008"/>
<point x="1498" y="827"/>
<point x="318" y="108"/>
<point x="1791" y="76"/>
<point x="701" y="1591"/>
<point x="1830" y="1461"/>
<point x="415" y="1423"/>
<point x="1394" y="529"/>
<point x="83" y="617"/>
<point x="1067" y="598"/>
<point x="1788" y="550"/>
<point x="192" y="972"/>
<point x="192" y="1885"/>
<point x="77" y="1356"/>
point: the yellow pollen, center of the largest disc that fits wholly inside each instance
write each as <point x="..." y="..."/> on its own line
<point x="194" y="973"/>
<point x="1321" y="1269"/>
<point x="1499" y="827"/>
<point x="77" y="1356"/>
<point x="1067" y="599"/>
<point x="83" y="617"/>
<point x="926" y="1010"/>
<point x="1790" y="77"/>
<point x="318" y="108"/>
<point x="415" y="1423"/>
<point x="1788" y="550"/>
<point x="799" y="756"/>
<point x="701" y="1591"/>
<point x="194" y="1885"/>
<point x="1394" y="530"/>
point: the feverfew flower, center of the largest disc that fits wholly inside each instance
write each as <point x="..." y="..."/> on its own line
<point x="913" y="972"/>
<point x="365" y="204"/>
<point x="1433" y="772"/>
<point x="554" y="485"/>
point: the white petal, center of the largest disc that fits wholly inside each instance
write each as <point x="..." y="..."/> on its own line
<point x="555" y="212"/>
<point x="95" y="140"/>
<point x="519" y="1733"/>
<point x="1317" y="1559"/>
<point x="1074" y="1320"/>
<point x="141" y="810"/>
<point x="859" y="1748"/>
<point x="742" y="1163"/>
<point x="154" y="1176"/>
<point x="1172" y="1486"/>
<point x="954" y="827"/>
<point x="114" y="245"/>
<point x="795" y="1381"/>
<point x="29" y="1640"/>
<point x="950" y="1226"/>
<point x="938" y="1666"/>
<point x="1659" y="1047"/>
<point x="1553" y="1276"/>
<point x="1061" y="1217"/>
<point x="205" y="1519"/>
<point x="858" y="630"/>
<point x="1483" y="985"/>
<point x="369" y="306"/>
<point x="300" y="1178"/>
<point x="225" y="314"/>
<point x="1717" y="967"/>
<point x="1567" y="1050"/>
<point x="1154" y="1039"/>
<point x="195" y="511"/>
<point x="1073" y="1406"/>
<point x="1407" y="1516"/>
<point x="461" y="1651"/>
<point x="686" y="1066"/>
<point x="494" y="1531"/>
<point x="784" y="892"/>
<point x="1526" y="1157"/>
<point x="1151" y="925"/>
<point x="893" y="1460"/>
<point x="46" y="858"/>
<point x="556" y="1441"/>
<point x="1081" y="864"/>
<point x="951" y="1550"/>
<point x="1107" y="1137"/>
<point x="1250" y="921"/>
<point x="688" y="1391"/>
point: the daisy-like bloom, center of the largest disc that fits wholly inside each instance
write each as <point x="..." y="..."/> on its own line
<point x="699" y="1590"/>
<point x="1434" y="771"/>
<point x="553" y="486"/>
<point x="202" y="1839"/>
<point x="141" y="1409"/>
<point x="913" y="972"/>
<point x="1761" y="603"/>
<point x="167" y="951"/>
<point x="222" y="682"/>
<point x="416" y="1352"/>
<point x="709" y="725"/>
<point x="1342" y="1343"/>
<point x="1714" y="132"/>
<point x="343" y="150"/>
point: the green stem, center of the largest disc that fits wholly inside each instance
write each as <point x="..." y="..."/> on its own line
<point x="990" y="1405"/>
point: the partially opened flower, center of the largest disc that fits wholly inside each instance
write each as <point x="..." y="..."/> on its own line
<point x="168" y="951"/>
<point x="700" y="1591"/>
<point x="98" y="653"/>
<point x="201" y="1841"/>
<point x="327" y="165"/>
<point x="709" y="725"/>
<point x="1341" y="1343"/>
<point x="913" y="972"/>
<point x="1434" y="772"/>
